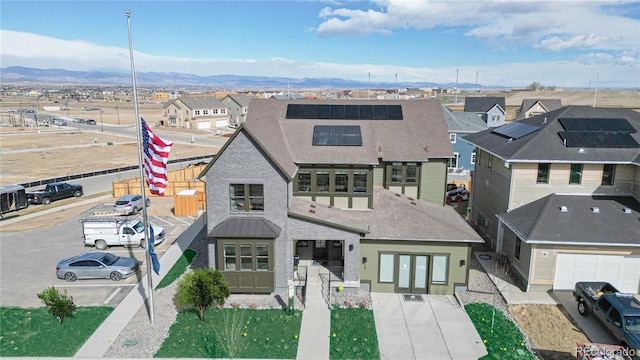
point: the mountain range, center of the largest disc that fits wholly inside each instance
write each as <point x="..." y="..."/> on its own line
<point x="22" y="75"/>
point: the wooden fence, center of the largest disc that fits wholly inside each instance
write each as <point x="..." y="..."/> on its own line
<point x="183" y="179"/>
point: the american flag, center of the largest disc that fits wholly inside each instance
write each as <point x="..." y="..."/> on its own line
<point x="156" y="154"/>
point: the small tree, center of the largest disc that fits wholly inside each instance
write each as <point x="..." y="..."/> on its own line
<point x="201" y="289"/>
<point x="60" y="305"/>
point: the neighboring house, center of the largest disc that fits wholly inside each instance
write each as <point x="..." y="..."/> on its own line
<point x="535" y="107"/>
<point x="202" y="112"/>
<point x="490" y="109"/>
<point x="355" y="185"/>
<point x="237" y="107"/>
<point x="460" y="124"/>
<point x="558" y="195"/>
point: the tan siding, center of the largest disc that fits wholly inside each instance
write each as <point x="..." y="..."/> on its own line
<point x="525" y="189"/>
<point x="509" y="249"/>
<point x="378" y="176"/>
<point x="456" y="274"/>
<point x="433" y="181"/>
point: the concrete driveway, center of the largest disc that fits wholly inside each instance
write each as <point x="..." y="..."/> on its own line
<point x="592" y="328"/>
<point x="434" y="328"/>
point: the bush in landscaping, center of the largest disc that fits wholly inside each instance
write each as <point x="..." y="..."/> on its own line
<point x="501" y="337"/>
<point x="60" y="305"/>
<point x="202" y="289"/>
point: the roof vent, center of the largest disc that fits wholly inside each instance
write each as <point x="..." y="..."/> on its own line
<point x="545" y="120"/>
<point x="581" y="150"/>
<point x="626" y="210"/>
<point x="563" y="209"/>
<point x="595" y="209"/>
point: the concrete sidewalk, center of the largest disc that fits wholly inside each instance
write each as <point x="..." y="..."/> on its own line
<point x="424" y="327"/>
<point x="96" y="346"/>
<point x="316" y="319"/>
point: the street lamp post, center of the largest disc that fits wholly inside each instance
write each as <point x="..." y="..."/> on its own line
<point x="101" y="123"/>
<point x="118" y="111"/>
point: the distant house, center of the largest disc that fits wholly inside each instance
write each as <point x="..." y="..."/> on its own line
<point x="557" y="194"/>
<point x="237" y="107"/>
<point x="355" y="185"/>
<point x="534" y="107"/>
<point x="460" y="124"/>
<point x="203" y="112"/>
<point x="491" y="109"/>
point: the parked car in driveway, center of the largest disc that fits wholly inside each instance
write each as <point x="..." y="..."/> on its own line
<point x="91" y="122"/>
<point x="96" y="265"/>
<point x="129" y="204"/>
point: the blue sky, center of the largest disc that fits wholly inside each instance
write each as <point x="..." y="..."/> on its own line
<point x="563" y="43"/>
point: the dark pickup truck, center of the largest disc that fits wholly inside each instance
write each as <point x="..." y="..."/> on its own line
<point x="53" y="192"/>
<point x="618" y="313"/>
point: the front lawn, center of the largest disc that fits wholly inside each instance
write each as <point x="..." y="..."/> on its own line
<point x="504" y="340"/>
<point x="34" y="332"/>
<point x="353" y="335"/>
<point x="234" y="333"/>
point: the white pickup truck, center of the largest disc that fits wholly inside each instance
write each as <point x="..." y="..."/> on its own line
<point x="107" y="231"/>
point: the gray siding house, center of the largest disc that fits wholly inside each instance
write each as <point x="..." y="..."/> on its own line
<point x="237" y="107"/>
<point x="356" y="186"/>
<point x="491" y="110"/>
<point x="558" y="195"/>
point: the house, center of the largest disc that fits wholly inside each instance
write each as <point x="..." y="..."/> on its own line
<point x="459" y="124"/>
<point x="491" y="109"/>
<point x="237" y="107"/>
<point x="534" y="107"/>
<point x="200" y="112"/>
<point x="558" y="195"/>
<point x="355" y="185"/>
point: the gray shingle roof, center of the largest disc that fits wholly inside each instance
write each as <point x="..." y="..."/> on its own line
<point x="482" y="104"/>
<point x="420" y="136"/>
<point x="542" y="221"/>
<point x="246" y="227"/>
<point x="393" y="216"/>
<point x="241" y="99"/>
<point x="465" y="122"/>
<point x="545" y="145"/>
<point x="201" y="102"/>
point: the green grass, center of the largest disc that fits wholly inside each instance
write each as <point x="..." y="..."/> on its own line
<point x="178" y="268"/>
<point x="229" y="333"/>
<point x="353" y="334"/>
<point x="504" y="340"/>
<point x="33" y="332"/>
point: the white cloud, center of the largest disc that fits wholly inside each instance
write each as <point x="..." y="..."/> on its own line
<point x="31" y="50"/>
<point x="523" y="23"/>
<point x="589" y="41"/>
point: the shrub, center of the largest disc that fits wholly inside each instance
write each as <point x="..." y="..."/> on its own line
<point x="202" y="289"/>
<point x="60" y="305"/>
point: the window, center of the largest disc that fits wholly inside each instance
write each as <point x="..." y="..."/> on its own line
<point x="543" y="173"/>
<point x="304" y="181"/>
<point x="453" y="138"/>
<point x="386" y="267"/>
<point x="575" y="176"/>
<point x="245" y="257"/>
<point x="604" y="304"/>
<point x="453" y="162"/>
<point x="341" y="181"/>
<point x="396" y="172"/>
<point x="359" y="181"/>
<point x="412" y="172"/>
<point x="214" y="111"/>
<point x="262" y="257"/>
<point x="196" y="112"/>
<point x="439" y="271"/>
<point x="608" y="174"/>
<point x="240" y="201"/>
<point x="223" y="111"/>
<point x="614" y="316"/>
<point x="322" y="181"/>
<point x="518" y="247"/>
<point x="473" y="157"/>
<point x="490" y="162"/>
<point x="230" y="257"/>
<point x="205" y="112"/>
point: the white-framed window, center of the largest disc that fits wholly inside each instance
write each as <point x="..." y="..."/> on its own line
<point x="439" y="271"/>
<point x="386" y="267"/>
<point x="454" y="161"/>
<point x="205" y="112"/>
<point x="473" y="157"/>
<point x="196" y="112"/>
<point x="245" y="109"/>
<point x="453" y="138"/>
<point x="214" y="111"/>
<point x="223" y="111"/>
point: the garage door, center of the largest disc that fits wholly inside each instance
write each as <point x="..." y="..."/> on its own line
<point x="204" y="124"/>
<point x="620" y="270"/>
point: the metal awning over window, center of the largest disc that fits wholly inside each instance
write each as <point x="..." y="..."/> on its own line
<point x="249" y="227"/>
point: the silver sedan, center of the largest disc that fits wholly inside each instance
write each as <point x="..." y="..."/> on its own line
<point x="96" y="265"/>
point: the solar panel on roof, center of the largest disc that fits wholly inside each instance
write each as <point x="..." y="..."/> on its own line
<point x="344" y="112"/>
<point x="515" y="130"/>
<point x="608" y="139"/>
<point x="337" y="135"/>
<point x="596" y="124"/>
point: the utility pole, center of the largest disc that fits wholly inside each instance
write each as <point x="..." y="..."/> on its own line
<point x="101" y="123"/>
<point x="118" y="111"/>
<point x="456" y="91"/>
<point x="596" y="94"/>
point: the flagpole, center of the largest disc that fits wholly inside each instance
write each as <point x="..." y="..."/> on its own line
<point x="141" y="168"/>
